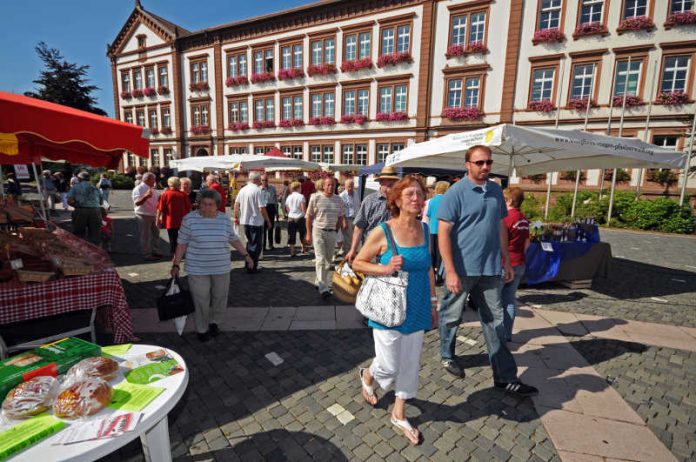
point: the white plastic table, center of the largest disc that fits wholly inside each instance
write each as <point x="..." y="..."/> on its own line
<point x="153" y="429"/>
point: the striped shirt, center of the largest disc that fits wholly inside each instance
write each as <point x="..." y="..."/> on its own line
<point x="325" y="211"/>
<point x="208" y="243"/>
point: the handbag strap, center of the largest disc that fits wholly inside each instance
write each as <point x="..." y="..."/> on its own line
<point x="390" y="238"/>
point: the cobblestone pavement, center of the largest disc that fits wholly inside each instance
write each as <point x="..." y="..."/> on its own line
<point x="240" y="407"/>
<point x="653" y="279"/>
<point x="657" y="382"/>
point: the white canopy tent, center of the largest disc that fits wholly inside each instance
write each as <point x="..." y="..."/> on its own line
<point x="241" y="161"/>
<point x="530" y="151"/>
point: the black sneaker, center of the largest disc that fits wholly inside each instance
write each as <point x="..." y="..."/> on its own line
<point x="325" y="294"/>
<point x="517" y="388"/>
<point x="204" y="337"/>
<point x="453" y="368"/>
<point x="214" y="330"/>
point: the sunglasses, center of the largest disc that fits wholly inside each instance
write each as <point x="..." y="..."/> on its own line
<point x="481" y="163"/>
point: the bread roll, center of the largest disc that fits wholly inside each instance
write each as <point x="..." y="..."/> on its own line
<point x="100" y="367"/>
<point x="30" y="398"/>
<point x="82" y="397"/>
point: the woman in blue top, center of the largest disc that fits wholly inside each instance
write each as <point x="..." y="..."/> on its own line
<point x="398" y="349"/>
<point x="430" y="218"/>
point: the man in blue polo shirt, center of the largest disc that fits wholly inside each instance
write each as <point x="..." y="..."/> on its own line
<point x="474" y="248"/>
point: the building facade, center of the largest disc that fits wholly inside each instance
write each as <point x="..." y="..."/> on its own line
<point x="348" y="82"/>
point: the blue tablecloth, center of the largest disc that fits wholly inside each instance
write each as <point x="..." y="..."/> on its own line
<point x="543" y="266"/>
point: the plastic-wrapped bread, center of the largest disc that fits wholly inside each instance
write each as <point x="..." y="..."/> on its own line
<point x="98" y="366"/>
<point x="30" y="398"/>
<point x="82" y="397"/>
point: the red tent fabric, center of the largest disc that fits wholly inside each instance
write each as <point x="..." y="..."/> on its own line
<point x="59" y="132"/>
<point x="275" y="152"/>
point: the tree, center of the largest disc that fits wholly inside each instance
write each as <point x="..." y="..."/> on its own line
<point x="63" y="82"/>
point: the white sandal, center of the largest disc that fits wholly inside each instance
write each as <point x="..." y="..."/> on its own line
<point x="369" y="389"/>
<point x="406" y="426"/>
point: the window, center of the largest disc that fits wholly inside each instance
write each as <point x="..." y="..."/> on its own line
<point x="199" y="71"/>
<point x="323" y="51"/>
<point x="260" y="150"/>
<point x="354" y="154"/>
<point x="237" y="65"/>
<point x="591" y="11"/>
<point x="635" y="8"/>
<point x="478" y="27"/>
<point x="348" y="154"/>
<point x="168" y="156"/>
<point x="327" y="154"/>
<point x="583" y="81"/>
<point x="361" y="154"/>
<point x="150" y="77"/>
<point x="396" y="39"/>
<point x="627" y="77"/>
<point x="125" y="81"/>
<point x="292" y="108"/>
<point x="351" y="47"/>
<point x="238" y="150"/>
<point x="200" y="114"/>
<point x="315" y="153"/>
<point x="166" y="117"/>
<point x="286" y="150"/>
<point x="153" y="118"/>
<point x="393" y="98"/>
<point x="264" y="110"/>
<point x="674" y="73"/>
<point x="128" y="117"/>
<point x="357" y="46"/>
<point x="297" y="152"/>
<point x="263" y="61"/>
<point x="323" y="104"/>
<point x="140" y="117"/>
<point x="384" y="149"/>
<point x="142" y="41"/>
<point x="154" y="157"/>
<point x="550" y="14"/>
<point x="239" y="111"/>
<point x="138" y="79"/>
<point x="464" y="91"/>
<point x="681" y="6"/>
<point x="349" y="102"/>
<point x="542" y="84"/>
<point x="291" y="57"/>
<point x="163" y="76"/>
<point x="666" y="141"/>
<point x="356" y="101"/>
<point x="467" y="28"/>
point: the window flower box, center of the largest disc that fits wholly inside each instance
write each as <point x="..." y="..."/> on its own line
<point x="321" y="69"/>
<point x="289" y="123"/>
<point x="459" y="113"/>
<point x="590" y="28"/>
<point x="163" y="90"/>
<point x="126" y="94"/>
<point x="322" y="121"/>
<point x="149" y="91"/>
<point x="200" y="129"/>
<point x="541" y="106"/>
<point x="391" y="116"/>
<point x="631" y="101"/>
<point x="394" y="59"/>
<point x="199" y="86"/>
<point x="687" y="18"/>
<point x="359" y="119"/>
<point x="238" y="126"/>
<point x="262" y="77"/>
<point x="289" y="74"/>
<point x="166" y="131"/>
<point x="356" y="65"/>
<point x="137" y="93"/>
<point x="236" y="81"/>
<point x="460" y="50"/>
<point x="261" y="124"/>
<point x="674" y="98"/>
<point x="154" y="131"/>
<point x="635" y="24"/>
<point x="548" y="36"/>
<point x="580" y="104"/>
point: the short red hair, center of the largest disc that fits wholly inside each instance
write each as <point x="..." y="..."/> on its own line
<point x="398" y="188"/>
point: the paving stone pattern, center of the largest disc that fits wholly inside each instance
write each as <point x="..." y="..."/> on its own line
<point x="657" y="382"/>
<point x="240" y="407"/>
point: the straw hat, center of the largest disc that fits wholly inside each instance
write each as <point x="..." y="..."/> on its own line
<point x="83" y="176"/>
<point x="388" y="173"/>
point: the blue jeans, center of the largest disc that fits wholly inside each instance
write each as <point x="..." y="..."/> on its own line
<point x="485" y="292"/>
<point x="507" y="295"/>
<point x="254" y="237"/>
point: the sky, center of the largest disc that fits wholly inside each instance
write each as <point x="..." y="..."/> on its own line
<point x="82" y="29"/>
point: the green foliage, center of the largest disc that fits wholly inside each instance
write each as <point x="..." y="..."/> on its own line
<point x="570" y="175"/>
<point x="118" y="180"/>
<point x="622" y="176"/>
<point x="532" y="208"/>
<point x="665" y="177"/>
<point x="537" y="178"/>
<point x="662" y="214"/>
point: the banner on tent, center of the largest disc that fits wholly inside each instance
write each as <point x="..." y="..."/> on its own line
<point x="22" y="172"/>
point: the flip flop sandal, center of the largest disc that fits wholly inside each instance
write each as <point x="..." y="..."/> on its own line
<point x="405" y="426"/>
<point x="367" y="388"/>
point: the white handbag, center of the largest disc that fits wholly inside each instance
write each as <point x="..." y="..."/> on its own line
<point x="382" y="299"/>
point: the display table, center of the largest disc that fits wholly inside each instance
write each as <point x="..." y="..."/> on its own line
<point x="153" y="429"/>
<point x="569" y="261"/>
<point x="102" y="289"/>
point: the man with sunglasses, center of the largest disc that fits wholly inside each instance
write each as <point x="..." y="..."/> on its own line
<point x="473" y="242"/>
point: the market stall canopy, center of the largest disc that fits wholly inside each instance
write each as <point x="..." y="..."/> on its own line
<point x="531" y="151"/>
<point x="32" y="128"/>
<point x="241" y="162"/>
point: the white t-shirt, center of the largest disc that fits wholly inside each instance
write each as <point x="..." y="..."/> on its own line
<point x="251" y="199"/>
<point x="149" y="207"/>
<point x="294" y="205"/>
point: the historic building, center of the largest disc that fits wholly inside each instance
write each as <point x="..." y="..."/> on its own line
<point x="349" y="82"/>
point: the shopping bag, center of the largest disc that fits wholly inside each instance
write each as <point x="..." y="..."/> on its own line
<point x="276" y="234"/>
<point x="346" y="282"/>
<point x="173" y="304"/>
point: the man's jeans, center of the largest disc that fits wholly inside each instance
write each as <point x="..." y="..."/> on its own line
<point x="507" y="296"/>
<point x="485" y="292"/>
<point x="254" y="238"/>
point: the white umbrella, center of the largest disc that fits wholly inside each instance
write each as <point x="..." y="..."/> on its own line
<point x="241" y="161"/>
<point x="530" y="151"/>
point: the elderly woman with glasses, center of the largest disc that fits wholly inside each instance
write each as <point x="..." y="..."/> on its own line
<point x="204" y="237"/>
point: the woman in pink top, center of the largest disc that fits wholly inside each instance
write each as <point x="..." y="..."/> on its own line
<point x="518" y="242"/>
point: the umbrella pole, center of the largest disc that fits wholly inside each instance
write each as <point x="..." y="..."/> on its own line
<point x="647" y="125"/>
<point x="547" y="206"/>
<point x="578" y="172"/>
<point x="621" y="121"/>
<point x="2" y="184"/>
<point x="688" y="162"/>
<point x="38" y="188"/>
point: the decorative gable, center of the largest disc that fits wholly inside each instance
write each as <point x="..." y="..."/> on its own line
<point x="144" y="26"/>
